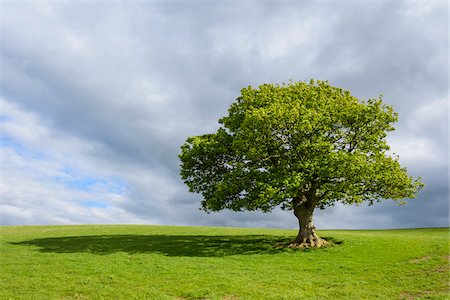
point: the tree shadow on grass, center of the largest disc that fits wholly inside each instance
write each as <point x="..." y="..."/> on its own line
<point x="169" y="245"/>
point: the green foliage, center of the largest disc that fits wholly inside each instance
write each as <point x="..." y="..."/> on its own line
<point x="160" y="262"/>
<point x="280" y="140"/>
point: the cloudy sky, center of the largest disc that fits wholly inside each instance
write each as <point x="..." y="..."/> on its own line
<point x="97" y="98"/>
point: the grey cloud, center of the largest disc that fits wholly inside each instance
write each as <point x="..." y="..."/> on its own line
<point x="136" y="79"/>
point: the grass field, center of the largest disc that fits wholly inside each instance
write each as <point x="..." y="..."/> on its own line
<point x="160" y="262"/>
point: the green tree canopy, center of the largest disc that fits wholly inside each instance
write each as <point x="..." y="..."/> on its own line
<point x="298" y="146"/>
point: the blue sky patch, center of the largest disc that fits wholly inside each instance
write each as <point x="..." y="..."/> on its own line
<point x="95" y="204"/>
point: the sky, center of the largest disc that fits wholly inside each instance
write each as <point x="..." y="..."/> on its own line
<point x="96" y="99"/>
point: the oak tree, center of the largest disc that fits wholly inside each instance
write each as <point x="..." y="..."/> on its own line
<point x="298" y="146"/>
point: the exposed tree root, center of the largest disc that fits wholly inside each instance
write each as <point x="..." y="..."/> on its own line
<point x="309" y="243"/>
<point x="314" y="243"/>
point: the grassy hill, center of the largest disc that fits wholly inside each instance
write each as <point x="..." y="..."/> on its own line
<point x="161" y="262"/>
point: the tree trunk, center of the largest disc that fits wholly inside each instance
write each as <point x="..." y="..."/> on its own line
<point x="307" y="236"/>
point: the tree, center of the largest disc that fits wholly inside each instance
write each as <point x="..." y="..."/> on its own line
<point x="298" y="146"/>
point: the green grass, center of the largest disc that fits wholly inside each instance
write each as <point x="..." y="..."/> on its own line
<point x="160" y="262"/>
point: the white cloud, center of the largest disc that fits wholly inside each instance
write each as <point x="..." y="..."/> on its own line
<point x="47" y="177"/>
<point x="422" y="141"/>
<point x="98" y="97"/>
